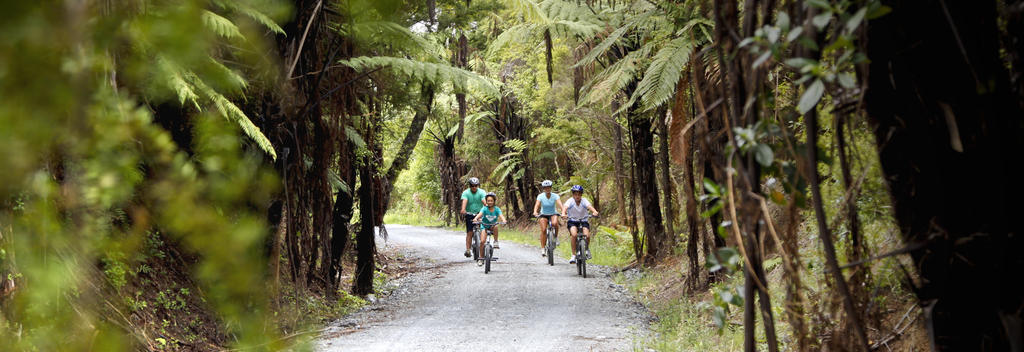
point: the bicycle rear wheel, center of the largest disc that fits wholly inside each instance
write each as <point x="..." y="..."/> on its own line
<point x="581" y="258"/>
<point x="551" y="248"/>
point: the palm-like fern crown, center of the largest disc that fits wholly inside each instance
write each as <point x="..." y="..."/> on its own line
<point x="560" y="18"/>
<point x="395" y="49"/>
<point x="658" y="63"/>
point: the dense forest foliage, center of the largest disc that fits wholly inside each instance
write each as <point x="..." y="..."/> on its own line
<point x="227" y="157"/>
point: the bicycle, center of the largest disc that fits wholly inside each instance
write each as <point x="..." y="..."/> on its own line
<point x="551" y="244"/>
<point x="476" y="241"/>
<point x="582" y="246"/>
<point x="488" y="246"/>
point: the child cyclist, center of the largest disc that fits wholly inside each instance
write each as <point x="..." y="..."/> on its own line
<point x="575" y="210"/>
<point x="489" y="216"/>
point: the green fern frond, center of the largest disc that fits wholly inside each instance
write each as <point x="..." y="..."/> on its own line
<point x="661" y="77"/>
<point x="233" y="79"/>
<point x="253" y="13"/>
<point x="393" y="34"/>
<point x="573" y="28"/>
<point x="640" y="21"/>
<point x="220" y="25"/>
<point x="354" y="137"/>
<point x="434" y="73"/>
<point x="173" y="78"/>
<point x="517" y="145"/>
<point x="530" y="10"/>
<point x="567" y="10"/>
<point x="231" y="111"/>
<point x="520" y="33"/>
<point x="610" y="81"/>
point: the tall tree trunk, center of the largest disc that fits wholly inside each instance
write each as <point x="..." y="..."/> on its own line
<point x="646" y="181"/>
<point x="944" y="117"/>
<point x="342" y="213"/>
<point x="365" y="242"/>
<point x="547" y="54"/>
<point x="461" y="57"/>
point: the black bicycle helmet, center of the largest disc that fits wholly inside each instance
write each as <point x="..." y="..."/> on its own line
<point x="473" y="181"/>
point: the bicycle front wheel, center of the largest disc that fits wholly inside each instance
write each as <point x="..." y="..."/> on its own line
<point x="476" y="245"/>
<point x="488" y="253"/>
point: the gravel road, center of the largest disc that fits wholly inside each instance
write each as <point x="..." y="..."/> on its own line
<point x="447" y="303"/>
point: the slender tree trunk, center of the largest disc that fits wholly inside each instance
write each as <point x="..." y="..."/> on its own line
<point x="547" y="54"/>
<point x="620" y="188"/>
<point x="666" y="182"/>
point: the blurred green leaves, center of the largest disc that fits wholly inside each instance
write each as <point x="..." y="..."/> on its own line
<point x="88" y="173"/>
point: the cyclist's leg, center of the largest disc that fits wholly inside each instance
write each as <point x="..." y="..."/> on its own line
<point x="586" y="233"/>
<point x="572" y="236"/>
<point x="469" y="230"/>
<point x="483" y="239"/>
<point x="554" y="222"/>
<point x="543" y="232"/>
<point x="494" y="233"/>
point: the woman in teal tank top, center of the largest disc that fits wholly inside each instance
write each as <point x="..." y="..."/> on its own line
<point x="546" y="209"/>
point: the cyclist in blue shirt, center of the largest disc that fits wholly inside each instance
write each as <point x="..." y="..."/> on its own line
<point x="489" y="216"/>
<point x="544" y="209"/>
<point x="472" y="202"/>
<point x="575" y="212"/>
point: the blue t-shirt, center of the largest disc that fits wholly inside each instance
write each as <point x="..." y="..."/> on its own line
<point x="489" y="217"/>
<point x="547" y="205"/>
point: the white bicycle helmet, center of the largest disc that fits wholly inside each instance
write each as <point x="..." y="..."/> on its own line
<point x="473" y="181"/>
<point x="546" y="183"/>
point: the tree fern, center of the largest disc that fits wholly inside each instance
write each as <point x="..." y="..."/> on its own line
<point x="435" y="73"/>
<point x="613" y="79"/>
<point x="642" y="21"/>
<point x="661" y="77"/>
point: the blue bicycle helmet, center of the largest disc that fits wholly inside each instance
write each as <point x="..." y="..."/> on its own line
<point x="577" y="188"/>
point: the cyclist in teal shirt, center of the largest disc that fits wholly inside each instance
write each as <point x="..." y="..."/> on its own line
<point x="489" y="216"/>
<point x="472" y="201"/>
<point x="544" y="209"/>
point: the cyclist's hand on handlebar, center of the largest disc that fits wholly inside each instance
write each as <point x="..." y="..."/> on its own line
<point x="536" y="215"/>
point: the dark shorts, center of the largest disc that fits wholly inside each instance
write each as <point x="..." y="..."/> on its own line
<point x="580" y="224"/>
<point x="469" y="222"/>
<point x="547" y="216"/>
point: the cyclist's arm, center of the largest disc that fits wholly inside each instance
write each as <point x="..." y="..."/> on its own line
<point x="565" y="209"/>
<point x="478" y="216"/>
<point x="501" y="218"/>
<point x="464" y="200"/>
<point x="536" y="208"/>
<point x="593" y="211"/>
<point x="561" y="209"/>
